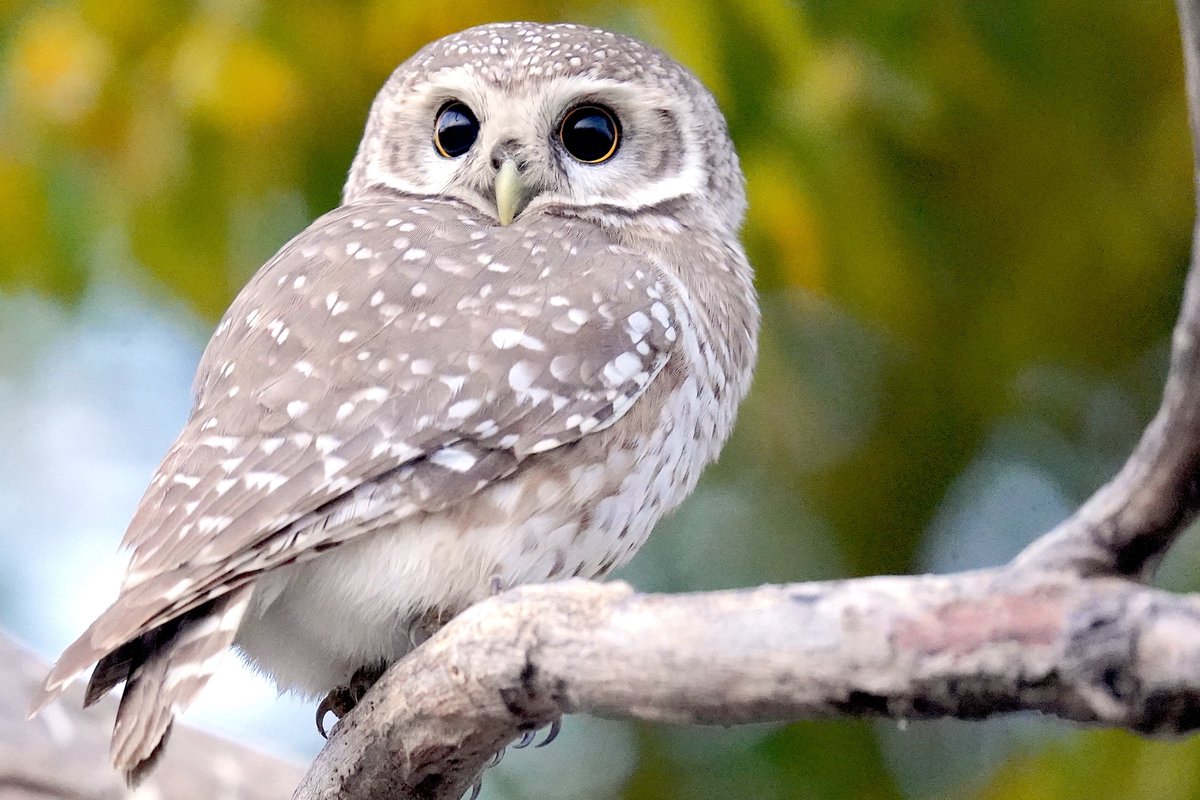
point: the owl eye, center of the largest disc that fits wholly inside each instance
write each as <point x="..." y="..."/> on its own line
<point x="455" y="130"/>
<point x="590" y="134"/>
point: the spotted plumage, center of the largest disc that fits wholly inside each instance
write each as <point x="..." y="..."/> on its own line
<point x="416" y="401"/>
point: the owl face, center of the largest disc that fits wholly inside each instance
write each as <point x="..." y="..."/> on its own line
<point x="519" y="118"/>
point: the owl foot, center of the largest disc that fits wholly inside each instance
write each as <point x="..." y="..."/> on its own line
<point x="555" y="729"/>
<point x="529" y="736"/>
<point x="339" y="702"/>
<point x="525" y="740"/>
<point x="342" y="700"/>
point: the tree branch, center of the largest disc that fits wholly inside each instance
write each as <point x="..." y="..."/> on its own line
<point x="1062" y="630"/>
<point x="971" y="645"/>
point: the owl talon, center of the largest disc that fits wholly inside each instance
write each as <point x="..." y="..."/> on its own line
<point x="555" y="728"/>
<point x="342" y="700"/>
<point x="526" y="740"/>
<point x="339" y="702"/>
<point x="496" y="759"/>
<point x="476" y="788"/>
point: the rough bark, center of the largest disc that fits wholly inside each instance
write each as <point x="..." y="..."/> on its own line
<point x="1097" y="650"/>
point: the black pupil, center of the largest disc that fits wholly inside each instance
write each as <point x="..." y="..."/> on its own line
<point x="456" y="129"/>
<point x="589" y="134"/>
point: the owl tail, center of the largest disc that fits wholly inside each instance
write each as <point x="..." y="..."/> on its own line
<point x="163" y="671"/>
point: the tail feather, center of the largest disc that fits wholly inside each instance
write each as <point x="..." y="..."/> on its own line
<point x="163" y="669"/>
<point x="121" y="629"/>
<point x="144" y="719"/>
<point x="115" y="667"/>
<point x="167" y="680"/>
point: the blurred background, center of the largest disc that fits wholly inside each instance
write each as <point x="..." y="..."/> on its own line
<point x="970" y="222"/>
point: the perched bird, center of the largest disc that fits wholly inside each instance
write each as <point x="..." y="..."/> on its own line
<point x="509" y="351"/>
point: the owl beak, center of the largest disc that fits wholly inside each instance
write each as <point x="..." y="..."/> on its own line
<point x="510" y="191"/>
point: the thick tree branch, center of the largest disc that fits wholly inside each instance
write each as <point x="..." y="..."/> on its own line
<point x="971" y="645"/>
<point x="1062" y="630"/>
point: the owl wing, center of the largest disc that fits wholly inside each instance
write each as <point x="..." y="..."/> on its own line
<point x="391" y="359"/>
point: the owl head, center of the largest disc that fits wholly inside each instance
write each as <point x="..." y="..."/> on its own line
<point x="521" y="119"/>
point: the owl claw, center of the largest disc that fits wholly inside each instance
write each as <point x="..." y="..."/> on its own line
<point x="342" y="700"/>
<point x="496" y="759"/>
<point x="528" y="737"/>
<point x="555" y="727"/>
<point x="476" y="788"/>
<point x="339" y="702"/>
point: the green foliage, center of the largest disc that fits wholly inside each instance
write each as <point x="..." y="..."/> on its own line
<point x="970" y="223"/>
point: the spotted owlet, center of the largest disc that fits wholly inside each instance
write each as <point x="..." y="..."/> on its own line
<point x="509" y="351"/>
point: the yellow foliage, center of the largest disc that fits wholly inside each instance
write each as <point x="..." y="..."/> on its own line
<point x="781" y="213"/>
<point x="235" y="82"/>
<point x="58" y="65"/>
<point x="832" y="86"/>
<point x="126" y="22"/>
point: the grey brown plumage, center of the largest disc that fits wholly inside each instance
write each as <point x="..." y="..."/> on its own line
<point x="410" y="402"/>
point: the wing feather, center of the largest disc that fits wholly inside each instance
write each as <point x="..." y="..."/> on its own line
<point x="389" y="360"/>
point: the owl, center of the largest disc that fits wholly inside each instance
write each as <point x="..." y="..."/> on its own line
<point x="509" y="351"/>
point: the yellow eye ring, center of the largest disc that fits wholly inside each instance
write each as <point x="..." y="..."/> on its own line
<point x="590" y="134"/>
<point x="455" y="130"/>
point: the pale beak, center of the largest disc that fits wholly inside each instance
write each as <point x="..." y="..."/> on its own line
<point x="509" y="191"/>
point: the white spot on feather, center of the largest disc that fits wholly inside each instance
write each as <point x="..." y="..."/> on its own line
<point x="226" y="443"/>
<point x="264" y="480"/>
<point x="334" y="465"/>
<point x="211" y="525"/>
<point x="506" y="338"/>
<point x="463" y="408"/>
<point x="622" y="368"/>
<point x="453" y="458"/>
<point x="522" y="375"/>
